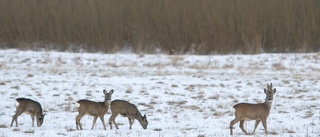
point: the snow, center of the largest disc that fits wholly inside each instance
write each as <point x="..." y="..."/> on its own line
<point x="182" y="95"/>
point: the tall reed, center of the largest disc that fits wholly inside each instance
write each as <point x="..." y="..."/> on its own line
<point x="171" y="26"/>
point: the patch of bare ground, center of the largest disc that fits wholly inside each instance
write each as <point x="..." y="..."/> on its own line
<point x="198" y="97"/>
<point x="69" y="129"/>
<point x="29" y="131"/>
<point x="176" y="60"/>
<point x="129" y="90"/>
<point x="272" y="133"/>
<point x="16" y="129"/>
<point x="69" y="103"/>
<point x="56" y="95"/>
<point x="228" y="66"/>
<point x="283" y="111"/>
<point x="17" y="87"/>
<point x="3" y="126"/>
<point x="61" y="134"/>
<point x="218" y="114"/>
<point x="14" y="94"/>
<point x="215" y="97"/>
<point x="193" y="107"/>
<point x="308" y="114"/>
<point x="279" y="66"/>
<point x="289" y="130"/>
<point x="157" y="129"/>
<point x="89" y="93"/>
<point x="176" y="103"/>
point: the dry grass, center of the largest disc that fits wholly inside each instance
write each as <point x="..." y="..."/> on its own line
<point x="29" y="131"/>
<point x="3" y="126"/>
<point x="278" y="66"/>
<point x="129" y="90"/>
<point x="157" y="129"/>
<point x="16" y="129"/>
<point x="175" y="27"/>
<point x="17" y="87"/>
<point x="176" y="60"/>
<point x="290" y="131"/>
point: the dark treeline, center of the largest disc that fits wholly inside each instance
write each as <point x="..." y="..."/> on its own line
<point x="144" y="26"/>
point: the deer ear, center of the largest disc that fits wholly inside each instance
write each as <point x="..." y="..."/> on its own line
<point x="104" y="91"/>
<point x="111" y="91"/>
<point x="274" y="90"/>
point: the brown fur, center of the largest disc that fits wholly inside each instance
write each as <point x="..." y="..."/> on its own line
<point x="129" y="110"/>
<point x="258" y="112"/>
<point x="95" y="109"/>
<point x="31" y="107"/>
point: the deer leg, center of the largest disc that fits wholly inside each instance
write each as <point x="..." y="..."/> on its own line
<point x="94" y="121"/>
<point x="241" y="126"/>
<point x="130" y="123"/>
<point x="112" y="120"/>
<point x="32" y="118"/>
<point x="15" y="118"/>
<point x="78" y="118"/>
<point x="232" y="123"/>
<point x="264" y="123"/>
<point x="115" y="124"/>
<point x="102" y="120"/>
<point x="255" y="126"/>
<point x="37" y="119"/>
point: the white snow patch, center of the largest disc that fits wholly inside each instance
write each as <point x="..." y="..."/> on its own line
<point x="185" y="95"/>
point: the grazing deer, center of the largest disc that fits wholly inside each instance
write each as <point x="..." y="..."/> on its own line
<point x="126" y="109"/>
<point x="28" y="106"/>
<point x="95" y="109"/>
<point x="258" y="112"/>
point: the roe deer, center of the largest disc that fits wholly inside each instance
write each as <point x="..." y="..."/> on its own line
<point x="95" y="109"/>
<point x="28" y="106"/>
<point x="126" y="109"/>
<point x="258" y="112"/>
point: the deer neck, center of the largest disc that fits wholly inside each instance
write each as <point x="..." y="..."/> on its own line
<point x="268" y="103"/>
<point x="107" y="102"/>
<point x="40" y="112"/>
<point x="139" y="117"/>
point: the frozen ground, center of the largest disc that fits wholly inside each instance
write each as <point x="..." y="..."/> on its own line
<point x="182" y="96"/>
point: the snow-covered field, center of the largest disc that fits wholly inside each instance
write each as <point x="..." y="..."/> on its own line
<point x="182" y="96"/>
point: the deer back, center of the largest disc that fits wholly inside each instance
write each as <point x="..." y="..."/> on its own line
<point x="128" y="110"/>
<point x="256" y="111"/>
<point x="252" y="111"/>
<point x="29" y="106"/>
<point x="124" y="108"/>
<point x="91" y="107"/>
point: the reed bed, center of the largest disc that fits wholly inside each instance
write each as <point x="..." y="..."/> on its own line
<point x="166" y="26"/>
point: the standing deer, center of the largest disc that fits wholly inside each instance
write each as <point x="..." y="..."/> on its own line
<point x="95" y="109"/>
<point x="126" y="109"/>
<point x="258" y="112"/>
<point x="28" y="106"/>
